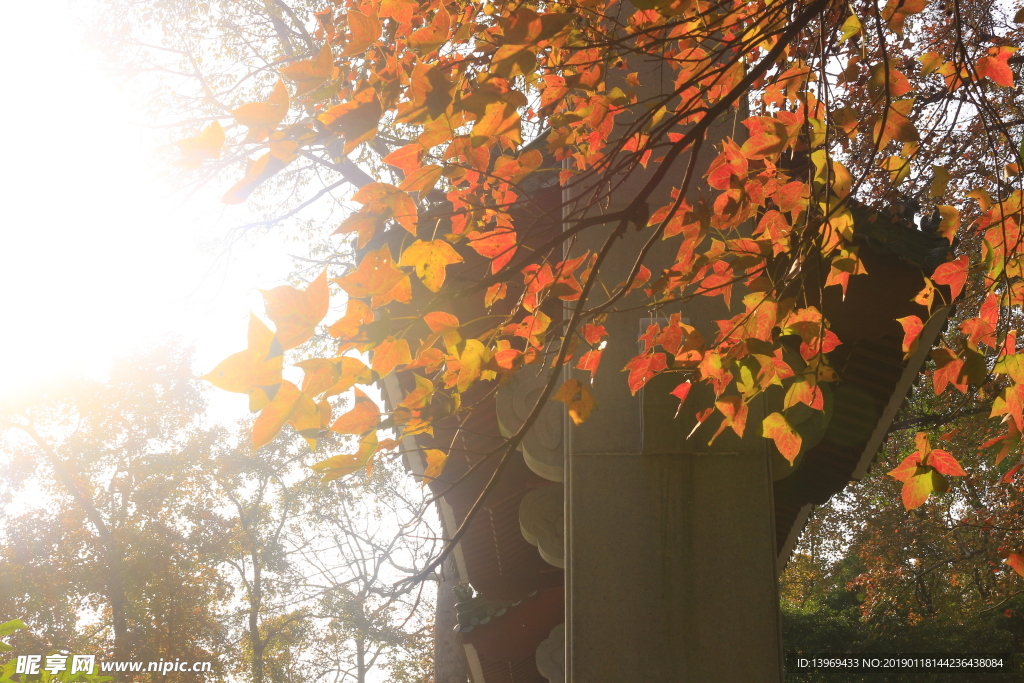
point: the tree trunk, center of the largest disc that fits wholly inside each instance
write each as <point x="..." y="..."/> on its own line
<point x="450" y="665"/>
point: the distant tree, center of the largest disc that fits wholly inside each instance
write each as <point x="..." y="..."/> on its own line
<point x="99" y="545"/>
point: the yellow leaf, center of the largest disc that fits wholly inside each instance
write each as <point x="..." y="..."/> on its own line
<point x="351" y="371"/>
<point x="578" y="398"/>
<point x="850" y="28"/>
<point x="430" y="260"/>
<point x="206" y="145"/>
<point x="778" y="429"/>
<point x="474" y="355"/>
<point x="436" y="460"/>
<point x="255" y="371"/>
<point x="897" y="167"/>
<point x="940" y="181"/>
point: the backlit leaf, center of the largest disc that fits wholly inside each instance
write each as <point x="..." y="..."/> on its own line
<point x="264" y="115"/>
<point x="578" y="399"/>
<point x="778" y="429"/>
<point x="430" y="260"/>
<point x="295" y="312"/>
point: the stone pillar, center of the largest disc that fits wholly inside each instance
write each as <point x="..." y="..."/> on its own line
<point x="670" y="542"/>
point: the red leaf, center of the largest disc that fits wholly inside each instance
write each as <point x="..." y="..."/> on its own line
<point x="498" y="245"/>
<point x="642" y="368"/>
<point x="994" y="65"/>
<point x="1016" y="562"/>
<point x="954" y="274"/>
<point x="945" y="464"/>
<point x="912" y="327"/>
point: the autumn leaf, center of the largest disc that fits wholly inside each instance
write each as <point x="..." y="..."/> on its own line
<point x="912" y="328"/>
<point x="348" y="326"/>
<point x="1016" y="562"/>
<point x="356" y="119"/>
<point x="267" y="114"/>
<point x="255" y="371"/>
<point x="433" y="35"/>
<point x="363" y="417"/>
<point x="436" y="460"/>
<point x="351" y="371"/>
<point x="389" y="354"/>
<point x="377" y="279"/>
<point x="364" y="32"/>
<point x="643" y="368"/>
<point x="206" y="145"/>
<point x="422" y="180"/>
<point x="954" y="274"/>
<point x="430" y="260"/>
<point x="498" y="245"/>
<point x="578" y="398"/>
<point x="339" y="466"/>
<point x="945" y="463"/>
<point x="295" y="312"/>
<point x="256" y="172"/>
<point x="308" y="74"/>
<point x="681" y="392"/>
<point x="474" y="355"/>
<point x="387" y="201"/>
<point x="734" y="414"/>
<point x="778" y="429"/>
<point x="994" y="67"/>
<point x="289" y="405"/>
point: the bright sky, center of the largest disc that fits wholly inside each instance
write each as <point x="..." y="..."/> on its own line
<point x="97" y="255"/>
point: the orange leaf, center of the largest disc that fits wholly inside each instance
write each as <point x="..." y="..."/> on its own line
<point x="388" y="201"/>
<point x="264" y="115"/>
<point x="296" y="313"/>
<point x="430" y="260"/>
<point x="256" y="172"/>
<point x="389" y="354"/>
<point x="363" y="224"/>
<point x="778" y="429"/>
<point x="274" y="416"/>
<point x="912" y="327"/>
<point x="495" y="292"/>
<point x="994" y="65"/>
<point x="439" y="321"/>
<point x="498" y="245"/>
<point x="365" y="30"/>
<point x="422" y="179"/>
<point x="377" y="279"/>
<point x="255" y="371"/>
<point x="356" y="315"/>
<point x="1016" y="562"/>
<point x="363" y="417"/>
<point x="342" y="465"/>
<point x="206" y="145"/>
<point x="734" y="412"/>
<point x="320" y="374"/>
<point x="310" y="73"/>
<point x="954" y="274"/>
<point x="917" y="489"/>
<point x="433" y="35"/>
<point x="355" y="120"/>
<point x="945" y="463"/>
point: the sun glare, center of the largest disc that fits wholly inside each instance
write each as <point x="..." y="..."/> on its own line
<point x="98" y="253"/>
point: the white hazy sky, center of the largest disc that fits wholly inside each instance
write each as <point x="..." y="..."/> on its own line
<point x="97" y="255"/>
